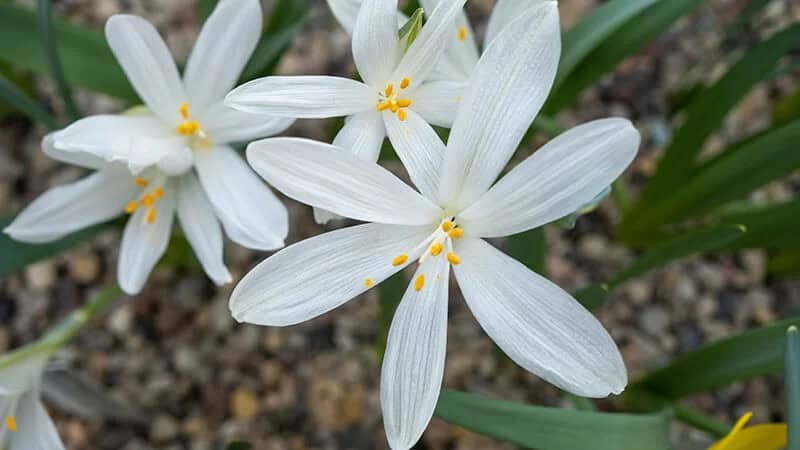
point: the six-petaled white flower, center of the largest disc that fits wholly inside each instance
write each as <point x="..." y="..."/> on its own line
<point x="145" y="160"/>
<point x="536" y="323"/>
<point x="396" y="98"/>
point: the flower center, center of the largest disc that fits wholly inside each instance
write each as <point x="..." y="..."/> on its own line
<point x="391" y="99"/>
<point x="152" y="191"/>
<point x="11" y="423"/>
<point x="462" y="33"/>
<point x="191" y="129"/>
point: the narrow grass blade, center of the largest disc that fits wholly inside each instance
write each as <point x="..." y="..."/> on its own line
<point x="19" y="100"/>
<point x="53" y="59"/>
<point x="791" y="375"/>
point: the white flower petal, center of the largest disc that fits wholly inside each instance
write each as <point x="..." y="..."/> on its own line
<point x="460" y="53"/>
<point x="143" y="243"/>
<point x="363" y="135"/>
<point x="316" y="275"/>
<point x="509" y="86"/>
<point x="223" y="47"/>
<point x="437" y="101"/>
<point x="375" y="41"/>
<point x="537" y="324"/>
<point x="420" y="149"/>
<point x="332" y="178"/>
<point x="75" y="158"/>
<point x="250" y="212"/>
<point x="303" y="97"/>
<point x="35" y="429"/>
<point x="23" y="376"/>
<point x="504" y="12"/>
<point x="411" y="376"/>
<point x="345" y="12"/>
<point x="64" y="209"/>
<point x="226" y="125"/>
<point x="560" y="178"/>
<point x="421" y="58"/>
<point x="148" y="64"/>
<point x="201" y="227"/>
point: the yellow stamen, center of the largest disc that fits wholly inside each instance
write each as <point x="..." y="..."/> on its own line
<point x="158" y="193"/>
<point x="389" y="90"/>
<point x="453" y="259"/>
<point x="447" y="226"/>
<point x="141" y="182"/>
<point x="462" y="33"/>
<point x="147" y="200"/>
<point x="11" y="423"/>
<point x="151" y="215"/>
<point x="402" y="115"/>
<point x="394" y="106"/>
<point x="436" y="248"/>
<point x="405" y="82"/>
<point x="131" y="207"/>
<point x="184" y="110"/>
<point x="404" y="103"/>
<point x="384" y="106"/>
<point x="368" y="283"/>
<point x="399" y="259"/>
<point x="419" y="282"/>
<point x="188" y="128"/>
<point x="456" y="233"/>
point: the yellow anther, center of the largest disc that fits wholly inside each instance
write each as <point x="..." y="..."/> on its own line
<point x="158" y="193"/>
<point x="453" y="259"/>
<point x="456" y="233"/>
<point x="141" y="182"/>
<point x="447" y="226"/>
<point x="399" y="259"/>
<point x="462" y="33"/>
<point x="188" y="127"/>
<point x="11" y="423"/>
<point x="393" y="105"/>
<point x="404" y="103"/>
<point x="402" y="115"/>
<point x="436" y="248"/>
<point x="147" y="200"/>
<point x="389" y="90"/>
<point x="184" y="110"/>
<point x="151" y="215"/>
<point x="368" y="283"/>
<point x="405" y="82"/>
<point x="419" y="282"/>
<point x="384" y="106"/>
<point x="131" y="207"/>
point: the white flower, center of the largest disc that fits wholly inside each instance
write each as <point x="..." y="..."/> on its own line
<point x="25" y="424"/>
<point x="536" y="323"/>
<point x="185" y="127"/>
<point x="395" y="99"/>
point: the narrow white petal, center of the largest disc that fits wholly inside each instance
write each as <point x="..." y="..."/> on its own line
<point x="411" y="376"/>
<point x="363" y="135"/>
<point x="460" y="53"/>
<point x="201" y="227"/>
<point x="557" y="180"/>
<point x="316" y="275"/>
<point x="75" y="158"/>
<point x="375" y="41"/>
<point x="504" y="12"/>
<point x="345" y="12"/>
<point x="35" y="429"/>
<point x="332" y="178"/>
<point x="71" y="207"/>
<point x="148" y="64"/>
<point x="303" y="97"/>
<point x="421" y="58"/>
<point x="537" y="324"/>
<point x="226" y="42"/>
<point x="420" y="149"/>
<point x="226" y="125"/>
<point x="509" y="86"/>
<point x="250" y="212"/>
<point x="23" y="376"/>
<point x="143" y="243"/>
<point x="437" y="101"/>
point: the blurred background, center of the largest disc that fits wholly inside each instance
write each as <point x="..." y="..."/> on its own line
<point x="195" y="379"/>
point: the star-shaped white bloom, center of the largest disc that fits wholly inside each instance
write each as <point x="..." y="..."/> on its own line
<point x="173" y="157"/>
<point x="536" y="323"/>
<point x="25" y="423"/>
<point x="396" y="98"/>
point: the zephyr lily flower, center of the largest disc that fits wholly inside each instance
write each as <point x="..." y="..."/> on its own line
<point x="536" y="323"/>
<point x="770" y="436"/>
<point x="25" y="422"/>
<point x="185" y="127"/>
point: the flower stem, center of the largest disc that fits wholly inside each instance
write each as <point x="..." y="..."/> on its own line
<point x="701" y="421"/>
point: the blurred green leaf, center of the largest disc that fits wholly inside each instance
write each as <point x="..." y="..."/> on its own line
<point x="529" y="248"/>
<point x="791" y="375"/>
<point x="543" y="428"/>
<point x="87" y="59"/>
<point x="716" y="365"/>
<point x="204" y="8"/>
<point x="238" y="445"/>
<point x="53" y="59"/>
<point x="625" y="41"/>
<point x="768" y="226"/>
<point x="785" y="262"/>
<point x="787" y="108"/>
<point x="747" y="14"/>
<point x="391" y="292"/>
<point x="19" y="100"/>
<point x="286" y="19"/>
<point x="408" y="33"/>
<point x="707" y="111"/>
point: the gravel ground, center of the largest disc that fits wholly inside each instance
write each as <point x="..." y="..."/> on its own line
<point x="201" y="380"/>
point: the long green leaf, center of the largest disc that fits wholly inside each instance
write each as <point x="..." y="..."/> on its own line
<point x="87" y="59"/>
<point x="285" y="21"/>
<point x="391" y="292"/>
<point x="19" y="100"/>
<point x="53" y="59"/>
<point x="768" y="226"/>
<point x="543" y="428"/>
<point x="716" y="365"/>
<point x="529" y="248"/>
<point x="791" y="375"/>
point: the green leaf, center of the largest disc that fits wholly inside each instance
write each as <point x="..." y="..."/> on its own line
<point x="19" y="100"/>
<point x="786" y="262"/>
<point x="391" y="292"/>
<point x="529" y="248"/>
<point x="787" y="108"/>
<point x="768" y="226"/>
<point x="543" y="428"/>
<point x="53" y="59"/>
<point x="408" y="33"/>
<point x="285" y="21"/>
<point x="716" y="365"/>
<point x="87" y="59"/>
<point x="707" y="111"/>
<point x="625" y="41"/>
<point x="205" y="7"/>
<point x="791" y="375"/>
<point x="745" y="17"/>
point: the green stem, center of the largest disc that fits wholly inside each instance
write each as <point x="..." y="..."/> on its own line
<point x="792" y="382"/>
<point x="53" y="61"/>
<point x="701" y="421"/>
